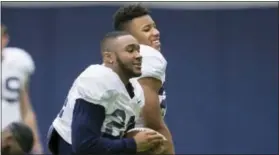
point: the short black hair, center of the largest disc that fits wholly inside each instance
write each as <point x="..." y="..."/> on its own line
<point x="110" y="36"/>
<point x="127" y="13"/>
<point x="23" y="135"/>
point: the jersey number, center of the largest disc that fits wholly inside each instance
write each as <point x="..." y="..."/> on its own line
<point x="163" y="104"/>
<point x="120" y="115"/>
<point x="12" y="86"/>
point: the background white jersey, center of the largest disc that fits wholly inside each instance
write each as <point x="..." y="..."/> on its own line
<point x="100" y="85"/>
<point x="17" y="65"/>
<point x="154" y="65"/>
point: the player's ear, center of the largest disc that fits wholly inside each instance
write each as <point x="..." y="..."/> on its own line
<point x="107" y="57"/>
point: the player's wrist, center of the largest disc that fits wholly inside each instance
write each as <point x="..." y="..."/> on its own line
<point x="131" y="146"/>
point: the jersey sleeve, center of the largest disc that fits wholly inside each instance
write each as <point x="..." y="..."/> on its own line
<point x="22" y="60"/>
<point x="94" y="90"/>
<point x="153" y="64"/>
<point x="28" y="64"/>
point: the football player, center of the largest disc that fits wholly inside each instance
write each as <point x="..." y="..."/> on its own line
<point x="102" y="105"/>
<point x="17" y="66"/>
<point x="136" y="20"/>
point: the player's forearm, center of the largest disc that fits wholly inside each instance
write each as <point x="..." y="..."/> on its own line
<point x="151" y="113"/>
<point x="30" y="120"/>
<point x="96" y="145"/>
<point x="170" y="147"/>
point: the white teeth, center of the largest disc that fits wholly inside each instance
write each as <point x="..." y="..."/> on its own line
<point x="156" y="41"/>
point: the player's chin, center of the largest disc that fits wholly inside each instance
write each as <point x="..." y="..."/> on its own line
<point x="136" y="69"/>
<point x="137" y="72"/>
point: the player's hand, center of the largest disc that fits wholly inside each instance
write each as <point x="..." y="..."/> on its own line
<point x="160" y="148"/>
<point x="146" y="140"/>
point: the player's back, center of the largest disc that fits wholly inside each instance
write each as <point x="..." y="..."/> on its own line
<point x="17" y="65"/>
<point x="99" y="85"/>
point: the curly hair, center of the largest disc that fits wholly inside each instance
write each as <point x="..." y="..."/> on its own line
<point x="127" y="13"/>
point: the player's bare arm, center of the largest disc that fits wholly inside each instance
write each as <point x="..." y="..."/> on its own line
<point x="29" y="118"/>
<point x="152" y="112"/>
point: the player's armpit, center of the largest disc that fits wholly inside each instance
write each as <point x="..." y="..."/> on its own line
<point x="151" y="111"/>
<point x="29" y="118"/>
<point x="87" y="138"/>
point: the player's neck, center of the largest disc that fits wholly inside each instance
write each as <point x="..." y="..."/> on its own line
<point x="120" y="74"/>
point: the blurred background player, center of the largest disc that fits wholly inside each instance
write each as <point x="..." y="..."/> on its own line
<point x="136" y="20"/>
<point x="17" y="66"/>
<point x="102" y="105"/>
<point x="17" y="139"/>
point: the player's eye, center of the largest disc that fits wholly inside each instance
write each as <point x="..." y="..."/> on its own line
<point x="133" y="48"/>
<point x="147" y="29"/>
<point x="130" y="49"/>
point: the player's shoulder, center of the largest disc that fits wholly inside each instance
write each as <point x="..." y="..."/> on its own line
<point x="96" y="84"/>
<point x="16" y="53"/>
<point x="153" y="63"/>
<point x="148" y="51"/>
<point x="101" y="76"/>
<point x="99" y="72"/>
<point x="20" y="58"/>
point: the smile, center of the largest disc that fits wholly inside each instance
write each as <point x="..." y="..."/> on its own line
<point x="137" y="65"/>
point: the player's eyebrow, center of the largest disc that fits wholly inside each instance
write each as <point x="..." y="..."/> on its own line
<point x="149" y="25"/>
<point x="133" y="46"/>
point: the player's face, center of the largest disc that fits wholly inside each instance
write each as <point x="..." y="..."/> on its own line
<point x="4" y="39"/>
<point x="4" y="42"/>
<point x="11" y="147"/>
<point x="145" y="31"/>
<point x="128" y="57"/>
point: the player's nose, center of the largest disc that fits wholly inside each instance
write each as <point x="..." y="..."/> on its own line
<point x="156" y="32"/>
<point x="138" y="56"/>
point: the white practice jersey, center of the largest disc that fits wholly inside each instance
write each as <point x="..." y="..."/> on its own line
<point x="154" y="65"/>
<point x="17" y="65"/>
<point x="100" y="85"/>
